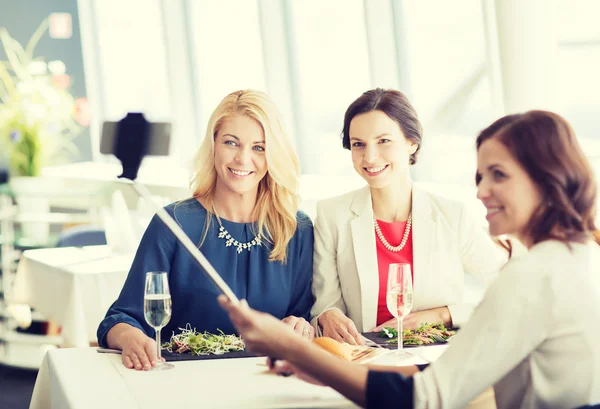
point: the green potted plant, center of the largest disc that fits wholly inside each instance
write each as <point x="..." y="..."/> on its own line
<point x="38" y="118"/>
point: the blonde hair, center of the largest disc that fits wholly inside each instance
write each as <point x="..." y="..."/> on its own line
<point x="277" y="199"/>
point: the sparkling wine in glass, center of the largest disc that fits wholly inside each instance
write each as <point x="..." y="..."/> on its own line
<point x="157" y="308"/>
<point x="399" y="294"/>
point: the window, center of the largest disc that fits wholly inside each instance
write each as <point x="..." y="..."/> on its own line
<point x="578" y="61"/>
<point x="227" y="51"/>
<point x="449" y="85"/>
<point x="132" y="59"/>
<point x="331" y="64"/>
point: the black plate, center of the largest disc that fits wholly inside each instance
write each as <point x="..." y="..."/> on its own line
<point x="187" y="356"/>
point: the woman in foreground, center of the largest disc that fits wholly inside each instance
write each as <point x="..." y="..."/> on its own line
<point x="534" y="336"/>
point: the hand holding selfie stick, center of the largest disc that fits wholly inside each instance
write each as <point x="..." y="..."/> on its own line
<point x="131" y="143"/>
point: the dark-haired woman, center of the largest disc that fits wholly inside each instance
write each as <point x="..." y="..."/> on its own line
<point x="358" y="234"/>
<point x="534" y="337"/>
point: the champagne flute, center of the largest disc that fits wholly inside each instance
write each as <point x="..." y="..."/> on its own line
<point x="157" y="308"/>
<point x="399" y="294"/>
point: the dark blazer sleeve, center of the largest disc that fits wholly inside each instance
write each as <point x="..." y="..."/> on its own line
<point x="389" y="390"/>
<point x="155" y="253"/>
<point x="302" y="297"/>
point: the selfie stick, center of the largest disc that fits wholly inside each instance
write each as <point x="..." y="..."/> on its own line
<point x="130" y="145"/>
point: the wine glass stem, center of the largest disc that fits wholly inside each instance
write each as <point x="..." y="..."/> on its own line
<point x="400" y="337"/>
<point x="158" y="360"/>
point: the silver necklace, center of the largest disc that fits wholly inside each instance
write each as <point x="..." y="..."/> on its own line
<point x="387" y="245"/>
<point x="230" y="241"/>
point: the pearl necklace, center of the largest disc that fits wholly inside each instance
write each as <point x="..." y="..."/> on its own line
<point x="230" y="241"/>
<point x="404" y="238"/>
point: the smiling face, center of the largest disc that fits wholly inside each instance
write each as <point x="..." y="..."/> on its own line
<point x="240" y="160"/>
<point x="506" y="190"/>
<point x="380" y="151"/>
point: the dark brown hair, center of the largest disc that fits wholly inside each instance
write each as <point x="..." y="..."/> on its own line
<point x="545" y="146"/>
<point x="392" y="103"/>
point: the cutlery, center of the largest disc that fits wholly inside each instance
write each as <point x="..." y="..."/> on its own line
<point x="373" y="344"/>
<point x="439" y="338"/>
<point x="357" y="355"/>
<point x="108" y="351"/>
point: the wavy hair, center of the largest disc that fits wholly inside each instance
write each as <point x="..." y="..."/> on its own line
<point x="277" y="200"/>
<point x="545" y="145"/>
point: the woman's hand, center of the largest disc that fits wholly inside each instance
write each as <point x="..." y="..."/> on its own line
<point x="439" y="315"/>
<point x="339" y="327"/>
<point x="285" y="368"/>
<point x="262" y="333"/>
<point x="415" y="319"/>
<point x="393" y="323"/>
<point x="300" y="326"/>
<point x="139" y="351"/>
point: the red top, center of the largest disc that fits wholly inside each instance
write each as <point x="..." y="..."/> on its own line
<point x="393" y="233"/>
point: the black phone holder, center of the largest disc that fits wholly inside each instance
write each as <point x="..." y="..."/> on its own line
<point x="131" y="143"/>
<point x="3" y="176"/>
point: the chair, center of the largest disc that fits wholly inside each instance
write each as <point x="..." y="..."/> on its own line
<point x="80" y="236"/>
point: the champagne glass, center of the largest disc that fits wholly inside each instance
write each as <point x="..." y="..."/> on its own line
<point x="157" y="308"/>
<point x="399" y="294"/>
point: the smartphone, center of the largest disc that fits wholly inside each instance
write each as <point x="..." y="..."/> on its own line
<point x="159" y="138"/>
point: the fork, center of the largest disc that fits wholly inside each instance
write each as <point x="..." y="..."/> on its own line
<point x="373" y="344"/>
<point x="439" y="338"/>
<point x="361" y="354"/>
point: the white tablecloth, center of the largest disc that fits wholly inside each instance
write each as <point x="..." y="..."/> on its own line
<point x="82" y="378"/>
<point x="72" y="286"/>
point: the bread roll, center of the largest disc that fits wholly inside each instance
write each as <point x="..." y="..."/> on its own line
<point x="340" y="350"/>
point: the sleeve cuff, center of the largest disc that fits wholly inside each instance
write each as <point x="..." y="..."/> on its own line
<point x="460" y="314"/>
<point x="110" y="322"/>
<point x="389" y="390"/>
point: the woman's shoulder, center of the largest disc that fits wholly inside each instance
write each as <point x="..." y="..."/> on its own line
<point x="303" y="220"/>
<point x="304" y="227"/>
<point x="186" y="209"/>
<point x="186" y="205"/>
<point x="555" y="257"/>
<point x="439" y="202"/>
<point x="339" y="203"/>
<point x="554" y="252"/>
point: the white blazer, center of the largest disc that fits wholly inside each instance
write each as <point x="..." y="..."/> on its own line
<point x="447" y="242"/>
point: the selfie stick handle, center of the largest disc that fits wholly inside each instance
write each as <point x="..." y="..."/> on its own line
<point x="130" y="147"/>
<point x="187" y="242"/>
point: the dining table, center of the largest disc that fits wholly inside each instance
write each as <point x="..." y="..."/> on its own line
<point x="77" y="378"/>
<point x="72" y="286"/>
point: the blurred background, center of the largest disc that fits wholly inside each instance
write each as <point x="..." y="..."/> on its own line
<point x="462" y="64"/>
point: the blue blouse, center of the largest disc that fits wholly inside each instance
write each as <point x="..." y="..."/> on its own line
<point x="269" y="286"/>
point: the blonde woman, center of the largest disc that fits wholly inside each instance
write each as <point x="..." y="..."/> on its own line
<point x="244" y="216"/>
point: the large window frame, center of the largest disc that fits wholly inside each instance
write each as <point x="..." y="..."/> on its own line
<point x="389" y="54"/>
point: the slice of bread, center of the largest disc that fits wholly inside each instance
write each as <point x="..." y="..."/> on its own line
<point x="334" y="347"/>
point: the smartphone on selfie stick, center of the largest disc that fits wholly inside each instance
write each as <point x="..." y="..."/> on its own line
<point x="132" y="138"/>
